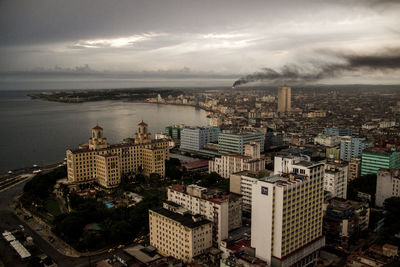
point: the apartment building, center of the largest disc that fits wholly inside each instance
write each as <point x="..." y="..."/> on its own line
<point x="335" y="179"/>
<point x="352" y="147"/>
<point x="387" y="185"/>
<point x="286" y="217"/>
<point x="354" y="169"/>
<point x="232" y="162"/>
<point x="225" y="211"/>
<point x="98" y="161"/>
<point x="194" y="138"/>
<point x="242" y="182"/>
<point x="178" y="233"/>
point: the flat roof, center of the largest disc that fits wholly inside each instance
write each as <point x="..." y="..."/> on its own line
<point x="185" y="220"/>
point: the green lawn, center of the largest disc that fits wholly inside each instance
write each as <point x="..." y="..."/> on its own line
<point x="52" y="207"/>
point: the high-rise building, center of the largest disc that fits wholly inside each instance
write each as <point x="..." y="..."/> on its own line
<point x="231" y="142"/>
<point x="286" y="217"/>
<point x="233" y="162"/>
<point x="98" y="161"/>
<point x="352" y="147"/>
<point x="225" y="211"/>
<point x="177" y="233"/>
<point x="377" y="158"/>
<point x="284" y="99"/>
<point x="387" y="185"/>
<point x="174" y="131"/>
<point x="194" y="138"/>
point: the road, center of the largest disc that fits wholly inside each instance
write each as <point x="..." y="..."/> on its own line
<point x="8" y="220"/>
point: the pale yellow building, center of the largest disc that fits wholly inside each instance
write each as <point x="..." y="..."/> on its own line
<point x="97" y="161"/>
<point x="177" y="233"/>
<point x="284" y="99"/>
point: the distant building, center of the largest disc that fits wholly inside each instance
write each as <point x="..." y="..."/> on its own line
<point x="223" y="210"/>
<point x="97" y="161"/>
<point x="352" y="147"/>
<point x="284" y="99"/>
<point x="194" y="138"/>
<point x="333" y="153"/>
<point x="174" y="131"/>
<point x="327" y="140"/>
<point x="232" y="162"/>
<point x="286" y="217"/>
<point x="230" y="142"/>
<point x="338" y="131"/>
<point x="387" y="185"/>
<point x="178" y="233"/>
<point x="377" y="158"/>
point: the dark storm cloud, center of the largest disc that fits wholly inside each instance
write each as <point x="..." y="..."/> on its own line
<point x="388" y="60"/>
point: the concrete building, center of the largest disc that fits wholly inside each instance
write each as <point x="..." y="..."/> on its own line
<point x="242" y="182"/>
<point x="178" y="233"/>
<point x="284" y="99"/>
<point x="338" y="131"/>
<point x="194" y="138"/>
<point x="354" y="169"/>
<point x="344" y="219"/>
<point x="232" y="162"/>
<point x="286" y="218"/>
<point x="97" y="161"/>
<point x="387" y="185"/>
<point x="335" y="179"/>
<point x="225" y="211"/>
<point x="230" y="142"/>
<point x="352" y="147"/>
<point x="333" y="153"/>
<point x="174" y="131"/>
<point x="377" y="158"/>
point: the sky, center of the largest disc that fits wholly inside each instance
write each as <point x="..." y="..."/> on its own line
<point x="130" y="43"/>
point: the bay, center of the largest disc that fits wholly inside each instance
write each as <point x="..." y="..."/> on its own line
<point x="39" y="132"/>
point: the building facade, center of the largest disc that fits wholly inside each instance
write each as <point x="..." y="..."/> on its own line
<point x="225" y="211"/>
<point x="387" y="185"/>
<point x="354" y="169"/>
<point x="286" y="218"/>
<point x="338" y="131"/>
<point x="230" y="142"/>
<point x="97" y="161"/>
<point x="179" y="234"/>
<point x="194" y="138"/>
<point x="335" y="179"/>
<point x="232" y="162"/>
<point x="374" y="159"/>
<point x="352" y="147"/>
<point x="284" y="99"/>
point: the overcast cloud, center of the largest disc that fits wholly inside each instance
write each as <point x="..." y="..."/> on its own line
<point x="171" y="39"/>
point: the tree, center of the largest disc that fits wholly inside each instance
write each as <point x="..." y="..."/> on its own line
<point x="365" y="184"/>
<point x="392" y="216"/>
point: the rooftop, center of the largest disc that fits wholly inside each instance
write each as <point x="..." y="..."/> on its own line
<point x="186" y="220"/>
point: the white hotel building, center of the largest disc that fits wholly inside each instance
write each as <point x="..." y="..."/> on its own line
<point x="286" y="220"/>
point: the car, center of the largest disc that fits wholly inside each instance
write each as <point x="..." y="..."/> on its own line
<point x="111" y="250"/>
<point x="120" y="246"/>
<point x="38" y="229"/>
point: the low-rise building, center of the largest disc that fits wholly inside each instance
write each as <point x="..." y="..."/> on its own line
<point x="225" y="211"/>
<point x="178" y="233"/>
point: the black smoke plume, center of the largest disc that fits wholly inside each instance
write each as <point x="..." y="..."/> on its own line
<point x="390" y="60"/>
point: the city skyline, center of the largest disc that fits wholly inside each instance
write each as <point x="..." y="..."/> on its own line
<point x="210" y="44"/>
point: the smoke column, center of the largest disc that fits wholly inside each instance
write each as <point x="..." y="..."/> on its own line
<point x="389" y="60"/>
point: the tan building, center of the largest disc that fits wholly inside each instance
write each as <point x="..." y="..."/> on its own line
<point x="225" y="211"/>
<point x="97" y="161"/>
<point x="233" y="162"/>
<point x="177" y="233"/>
<point x="354" y="169"/>
<point x="284" y="99"/>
